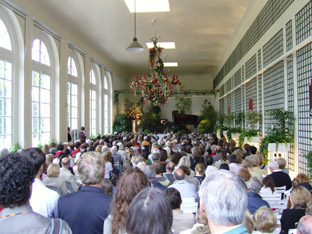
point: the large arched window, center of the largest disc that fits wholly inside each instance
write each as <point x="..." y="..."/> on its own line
<point x="107" y="104"/>
<point x="6" y="87"/>
<point x="72" y="94"/>
<point x="41" y="93"/>
<point x="92" y="103"/>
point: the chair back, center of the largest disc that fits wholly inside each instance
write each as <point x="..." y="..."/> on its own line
<point x="189" y="205"/>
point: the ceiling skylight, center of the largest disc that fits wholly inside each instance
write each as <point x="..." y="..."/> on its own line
<point x="143" y="6"/>
<point x="170" y="64"/>
<point x="165" y="45"/>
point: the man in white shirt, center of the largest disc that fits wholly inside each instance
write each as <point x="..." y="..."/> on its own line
<point x="185" y="188"/>
<point x="43" y="200"/>
<point x="66" y="175"/>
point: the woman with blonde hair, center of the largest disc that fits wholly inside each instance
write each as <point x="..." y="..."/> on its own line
<point x="302" y="180"/>
<point x="53" y="181"/>
<point x="265" y="221"/>
<point x="301" y="205"/>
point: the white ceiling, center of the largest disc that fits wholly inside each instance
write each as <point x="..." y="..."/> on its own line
<point x="201" y="30"/>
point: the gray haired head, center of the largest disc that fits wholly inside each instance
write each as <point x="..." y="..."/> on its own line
<point x="224" y="196"/>
<point x="150" y="172"/>
<point x="254" y="185"/>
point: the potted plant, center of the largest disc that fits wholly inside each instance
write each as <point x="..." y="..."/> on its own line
<point x="308" y="156"/>
<point x="253" y="117"/>
<point x="239" y="119"/>
<point x="250" y="137"/>
<point x="281" y="134"/>
<point x="208" y="113"/>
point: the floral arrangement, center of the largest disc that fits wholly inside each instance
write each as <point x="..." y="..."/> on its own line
<point x="155" y="87"/>
<point x="133" y="110"/>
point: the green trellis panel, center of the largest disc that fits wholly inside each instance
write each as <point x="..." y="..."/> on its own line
<point x="273" y="82"/>
<point x="290" y="104"/>
<point x="304" y="75"/>
<point x="304" y="23"/>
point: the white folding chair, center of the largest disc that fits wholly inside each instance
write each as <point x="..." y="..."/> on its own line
<point x="189" y="205"/>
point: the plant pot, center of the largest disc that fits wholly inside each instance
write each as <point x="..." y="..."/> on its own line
<point x="281" y="147"/>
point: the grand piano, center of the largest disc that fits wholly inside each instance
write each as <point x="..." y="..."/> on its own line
<point x="182" y="119"/>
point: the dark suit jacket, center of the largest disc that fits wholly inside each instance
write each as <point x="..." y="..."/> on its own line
<point x="85" y="210"/>
<point x="281" y="179"/>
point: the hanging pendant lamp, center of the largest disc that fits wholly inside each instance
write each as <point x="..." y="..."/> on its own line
<point x="135" y="46"/>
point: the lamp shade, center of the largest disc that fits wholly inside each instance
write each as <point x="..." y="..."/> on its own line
<point x="135" y="46"/>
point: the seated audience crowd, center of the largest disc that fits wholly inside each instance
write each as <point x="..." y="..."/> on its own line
<point x="150" y="183"/>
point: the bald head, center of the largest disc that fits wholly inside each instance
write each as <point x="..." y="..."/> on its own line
<point x="65" y="162"/>
<point x="179" y="174"/>
<point x="305" y="225"/>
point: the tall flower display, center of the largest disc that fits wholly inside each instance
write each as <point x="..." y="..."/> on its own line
<point x="156" y="87"/>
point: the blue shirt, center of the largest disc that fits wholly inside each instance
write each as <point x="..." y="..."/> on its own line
<point x="255" y="201"/>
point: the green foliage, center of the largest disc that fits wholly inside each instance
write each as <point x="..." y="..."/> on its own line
<point x="282" y="131"/>
<point x="308" y="156"/>
<point x="122" y="123"/>
<point x="208" y="113"/>
<point x="150" y="120"/>
<point x="183" y="105"/>
<point x="231" y="131"/>
<point x="52" y="141"/>
<point x="204" y="126"/>
<point x="247" y="133"/>
<point x="15" y="148"/>
<point x="239" y="119"/>
<point x="39" y="145"/>
<point x="228" y="119"/>
<point x="253" y="117"/>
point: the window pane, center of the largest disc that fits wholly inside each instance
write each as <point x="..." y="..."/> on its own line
<point x="105" y="83"/>
<point x="45" y="110"/>
<point x="35" y="78"/>
<point x="35" y="52"/>
<point x="45" y="96"/>
<point x="44" y="54"/>
<point x="1" y="88"/>
<point x="8" y="125"/>
<point x="35" y="94"/>
<point x="74" y="89"/>
<point x="5" y="41"/>
<point x="8" y="107"/>
<point x="8" y="71"/>
<point x="35" y="125"/>
<point x="35" y="139"/>
<point x="74" y="112"/>
<point x="45" y="125"/>
<point x="8" y="89"/>
<point x="74" y="124"/>
<point x="35" y="109"/>
<point x="45" y="81"/>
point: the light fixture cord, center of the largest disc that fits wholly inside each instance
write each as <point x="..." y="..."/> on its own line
<point x="135" y="18"/>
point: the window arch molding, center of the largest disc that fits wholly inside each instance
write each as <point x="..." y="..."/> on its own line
<point x="16" y="57"/>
